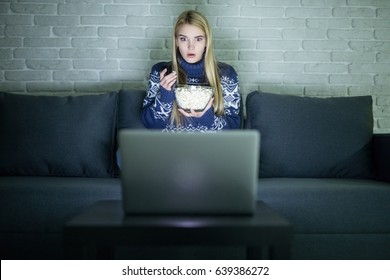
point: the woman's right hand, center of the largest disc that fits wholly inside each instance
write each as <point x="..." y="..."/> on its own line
<point x="167" y="81"/>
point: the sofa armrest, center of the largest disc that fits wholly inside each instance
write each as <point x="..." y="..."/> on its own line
<point x="381" y="146"/>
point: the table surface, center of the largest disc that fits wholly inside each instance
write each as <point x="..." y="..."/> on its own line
<point x="105" y="222"/>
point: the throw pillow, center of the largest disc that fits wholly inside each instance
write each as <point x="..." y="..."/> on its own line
<point x="130" y="105"/>
<point x="57" y="136"/>
<point x="312" y="136"/>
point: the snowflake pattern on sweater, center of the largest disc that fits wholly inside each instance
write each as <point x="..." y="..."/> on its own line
<point x="158" y="103"/>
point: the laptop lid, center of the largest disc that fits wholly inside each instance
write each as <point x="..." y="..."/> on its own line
<point x="189" y="173"/>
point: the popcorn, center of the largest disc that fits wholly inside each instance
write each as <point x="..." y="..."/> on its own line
<point x="193" y="97"/>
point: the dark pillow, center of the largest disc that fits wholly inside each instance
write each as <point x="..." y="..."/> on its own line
<point x="312" y="137"/>
<point x="130" y="105"/>
<point x="57" y="136"/>
<point x="129" y="114"/>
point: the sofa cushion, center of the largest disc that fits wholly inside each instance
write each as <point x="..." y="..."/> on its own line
<point x="329" y="206"/>
<point x="57" y="136"/>
<point x="130" y="105"/>
<point x="33" y="211"/>
<point x="312" y="137"/>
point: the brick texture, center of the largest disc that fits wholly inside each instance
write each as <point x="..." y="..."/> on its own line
<point x="302" y="47"/>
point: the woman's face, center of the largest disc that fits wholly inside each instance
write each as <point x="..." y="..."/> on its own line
<point x="191" y="42"/>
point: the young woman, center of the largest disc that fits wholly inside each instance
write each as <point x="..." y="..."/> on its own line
<point x="193" y="63"/>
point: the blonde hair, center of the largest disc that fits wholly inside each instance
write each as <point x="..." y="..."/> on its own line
<point x="211" y="66"/>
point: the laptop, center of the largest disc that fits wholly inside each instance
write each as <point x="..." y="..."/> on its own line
<point x="189" y="173"/>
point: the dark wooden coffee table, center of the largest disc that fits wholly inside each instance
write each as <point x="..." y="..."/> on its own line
<point x="104" y="226"/>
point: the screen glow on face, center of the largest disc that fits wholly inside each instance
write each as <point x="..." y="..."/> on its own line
<point x="191" y="42"/>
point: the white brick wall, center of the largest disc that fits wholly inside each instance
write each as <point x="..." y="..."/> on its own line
<point x="302" y="47"/>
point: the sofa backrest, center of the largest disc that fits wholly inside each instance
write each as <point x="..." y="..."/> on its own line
<point x="77" y="135"/>
<point x="129" y="108"/>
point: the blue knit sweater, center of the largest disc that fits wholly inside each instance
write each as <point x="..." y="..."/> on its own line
<point x="158" y="103"/>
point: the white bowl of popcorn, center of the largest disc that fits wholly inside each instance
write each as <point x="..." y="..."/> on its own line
<point x="193" y="97"/>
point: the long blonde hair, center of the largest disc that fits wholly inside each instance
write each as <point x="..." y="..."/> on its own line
<point x="211" y="66"/>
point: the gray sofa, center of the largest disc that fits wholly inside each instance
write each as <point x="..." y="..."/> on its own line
<point x="320" y="166"/>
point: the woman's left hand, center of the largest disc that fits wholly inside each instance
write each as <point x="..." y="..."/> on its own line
<point x="192" y="113"/>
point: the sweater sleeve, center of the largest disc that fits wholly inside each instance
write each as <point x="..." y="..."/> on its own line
<point x="158" y="102"/>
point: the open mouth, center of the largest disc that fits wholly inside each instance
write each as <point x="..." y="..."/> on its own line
<point x="190" y="55"/>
